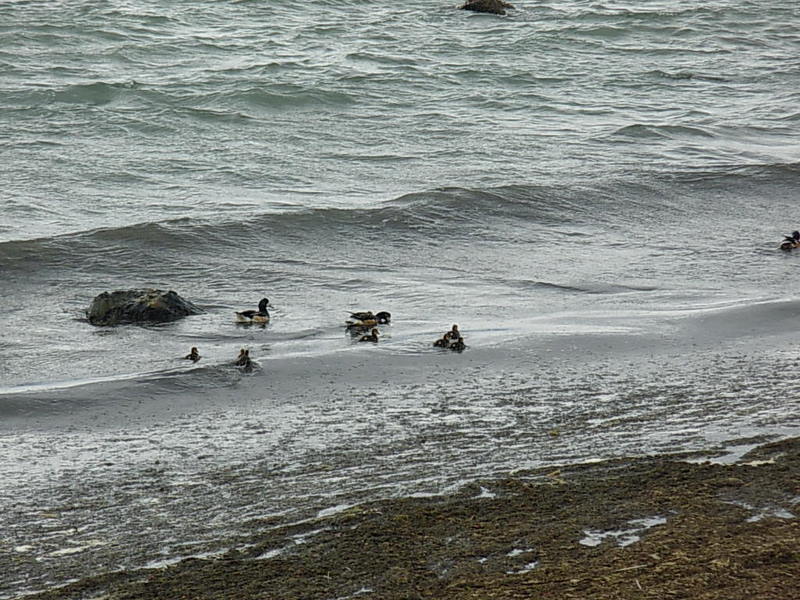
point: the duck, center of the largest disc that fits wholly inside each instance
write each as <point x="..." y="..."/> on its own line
<point x="458" y="345"/>
<point x="368" y="319"/>
<point x="254" y="316"/>
<point x="244" y="361"/>
<point x="441" y="343"/>
<point x="372" y="337"/>
<point x="193" y="356"/>
<point x="791" y="241"/>
<point x="453" y="334"/>
<point x="244" y="356"/>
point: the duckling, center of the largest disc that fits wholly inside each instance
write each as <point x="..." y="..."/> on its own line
<point x="193" y="356"/>
<point x="453" y="334"/>
<point x="254" y="316"/>
<point x="244" y="356"/>
<point x="373" y="337"/>
<point x="357" y="330"/>
<point x="244" y="361"/>
<point x="458" y="345"/>
<point x="441" y="343"/>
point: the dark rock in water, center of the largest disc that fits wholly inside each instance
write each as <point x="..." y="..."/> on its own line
<point x="139" y="306"/>
<point x="496" y="7"/>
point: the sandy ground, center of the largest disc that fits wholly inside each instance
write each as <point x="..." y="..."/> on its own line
<point x="651" y="527"/>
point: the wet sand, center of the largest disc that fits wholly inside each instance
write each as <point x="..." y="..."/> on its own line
<point x="682" y="526"/>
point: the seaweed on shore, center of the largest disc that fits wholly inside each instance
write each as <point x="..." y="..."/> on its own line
<point x="651" y="527"/>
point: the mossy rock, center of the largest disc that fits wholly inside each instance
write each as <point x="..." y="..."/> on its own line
<point x="495" y="7"/>
<point x="139" y="306"/>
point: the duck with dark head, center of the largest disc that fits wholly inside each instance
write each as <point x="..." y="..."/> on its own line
<point x="791" y="241"/>
<point x="254" y="316"/>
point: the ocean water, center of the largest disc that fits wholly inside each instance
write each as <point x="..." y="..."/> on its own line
<point x="593" y="191"/>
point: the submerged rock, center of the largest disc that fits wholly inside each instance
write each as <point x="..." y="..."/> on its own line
<point x="139" y="306"/>
<point x="496" y="7"/>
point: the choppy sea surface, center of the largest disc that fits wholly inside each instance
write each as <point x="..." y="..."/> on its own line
<point x="593" y="191"/>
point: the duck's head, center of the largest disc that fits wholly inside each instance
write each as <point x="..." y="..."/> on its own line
<point x="194" y="350"/>
<point x="262" y="306"/>
<point x="383" y="317"/>
<point x="455" y="329"/>
<point x="796" y="235"/>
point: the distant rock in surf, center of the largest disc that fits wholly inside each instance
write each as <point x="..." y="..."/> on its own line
<point x="496" y="7"/>
<point x="139" y="306"/>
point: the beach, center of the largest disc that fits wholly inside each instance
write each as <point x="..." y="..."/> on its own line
<point x="689" y="526"/>
<point x="595" y="195"/>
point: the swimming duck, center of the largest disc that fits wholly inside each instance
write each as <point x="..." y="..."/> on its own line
<point x="453" y="334"/>
<point x="193" y="356"/>
<point x="458" y="345"/>
<point x="372" y="337"/>
<point x="441" y="343"/>
<point x="368" y="319"/>
<point x="244" y="361"/>
<point x="790" y="241"/>
<point x="244" y="356"/>
<point x="254" y="316"/>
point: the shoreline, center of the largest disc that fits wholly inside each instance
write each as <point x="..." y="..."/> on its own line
<point x="193" y="388"/>
<point x="655" y="526"/>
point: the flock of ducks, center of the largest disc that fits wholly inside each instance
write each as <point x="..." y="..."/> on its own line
<point x="451" y="340"/>
<point x="361" y="325"/>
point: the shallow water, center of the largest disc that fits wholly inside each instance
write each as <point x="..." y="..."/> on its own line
<point x="593" y="192"/>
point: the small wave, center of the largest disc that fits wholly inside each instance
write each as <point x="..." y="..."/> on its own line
<point x="606" y="32"/>
<point x="734" y="319"/>
<point x="277" y="97"/>
<point x="585" y="288"/>
<point x="63" y="249"/>
<point x="98" y="93"/>
<point x="641" y="131"/>
<point x="421" y="212"/>
<point x="549" y="212"/>
<point x="90" y="94"/>
<point x="773" y="172"/>
<point x="67" y="395"/>
<point x="232" y="103"/>
<point x="212" y="115"/>
<point x="685" y="76"/>
<point x="793" y="116"/>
